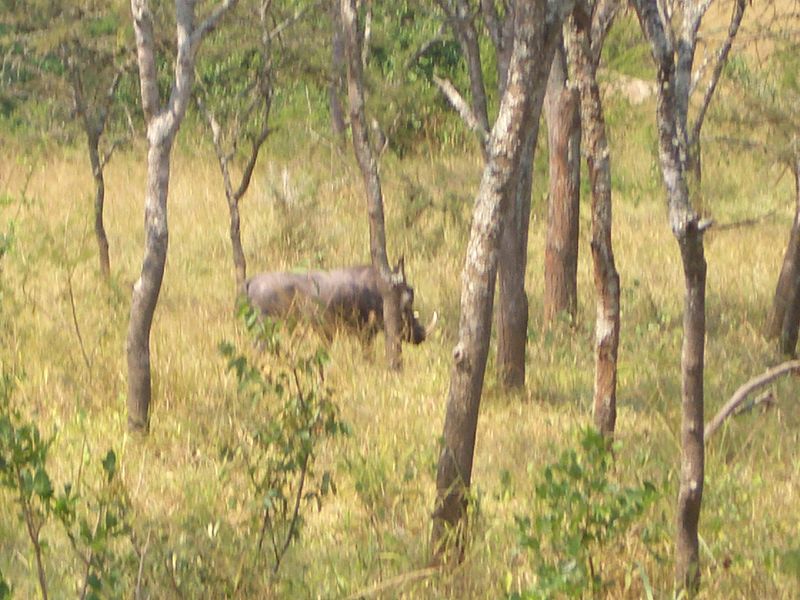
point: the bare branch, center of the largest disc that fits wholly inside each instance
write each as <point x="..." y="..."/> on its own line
<point x="605" y="12"/>
<point x="210" y="22"/>
<point x="462" y="108"/>
<point x="722" y="57"/>
<point x="792" y="366"/>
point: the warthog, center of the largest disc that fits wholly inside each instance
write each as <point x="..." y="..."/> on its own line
<point x="330" y="299"/>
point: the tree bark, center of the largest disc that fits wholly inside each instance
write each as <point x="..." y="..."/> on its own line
<point x="606" y="278"/>
<point x="162" y="127"/>
<point x="786" y="292"/>
<point x="533" y="43"/>
<point x="512" y="314"/>
<point x="388" y="281"/>
<point x="791" y="320"/>
<point x="563" y="209"/>
<point x="673" y="79"/>
<point x="93" y="143"/>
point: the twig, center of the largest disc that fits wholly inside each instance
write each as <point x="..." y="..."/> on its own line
<point x="792" y="366"/>
<point x="75" y="323"/>
<point x="395" y="582"/>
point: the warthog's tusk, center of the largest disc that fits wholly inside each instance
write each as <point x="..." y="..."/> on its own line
<point x="432" y="325"/>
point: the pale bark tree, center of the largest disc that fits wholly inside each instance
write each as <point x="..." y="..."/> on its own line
<point x="389" y="281"/>
<point x="674" y="53"/>
<point x="562" y="115"/>
<point x="512" y="314"/>
<point x="162" y="122"/>
<point x="250" y="122"/>
<point x="587" y="32"/>
<point x="535" y="34"/>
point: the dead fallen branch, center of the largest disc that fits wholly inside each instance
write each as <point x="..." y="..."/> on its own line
<point x="746" y="222"/>
<point x="792" y="366"/>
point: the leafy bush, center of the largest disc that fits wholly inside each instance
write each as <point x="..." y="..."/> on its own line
<point x="92" y="520"/>
<point x="294" y="413"/>
<point x="581" y="511"/>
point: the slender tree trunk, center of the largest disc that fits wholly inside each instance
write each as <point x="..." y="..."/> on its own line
<point x="688" y="231"/>
<point x="162" y="127"/>
<point x="512" y="314"/>
<point x="147" y="288"/>
<point x="606" y="278"/>
<point x="388" y="283"/>
<point x="563" y="223"/>
<point x="532" y="45"/>
<point x="791" y="318"/>
<point x="336" y="85"/>
<point x="93" y="143"/>
<point x="790" y="271"/>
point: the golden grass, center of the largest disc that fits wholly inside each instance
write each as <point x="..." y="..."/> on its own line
<point x="305" y="208"/>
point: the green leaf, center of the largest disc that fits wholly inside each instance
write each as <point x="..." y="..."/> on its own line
<point x="110" y="464"/>
<point x="42" y="485"/>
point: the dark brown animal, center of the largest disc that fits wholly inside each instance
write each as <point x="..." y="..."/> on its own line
<point x="346" y="297"/>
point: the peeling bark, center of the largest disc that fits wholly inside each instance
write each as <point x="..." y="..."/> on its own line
<point x="533" y="40"/>
<point x="606" y="277"/>
<point x="673" y="78"/>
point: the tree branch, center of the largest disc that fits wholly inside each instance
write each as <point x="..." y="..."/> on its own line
<point x="722" y="57"/>
<point x="462" y="108"/>
<point x="792" y="366"/>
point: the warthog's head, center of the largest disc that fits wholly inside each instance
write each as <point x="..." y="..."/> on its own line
<point x="412" y="329"/>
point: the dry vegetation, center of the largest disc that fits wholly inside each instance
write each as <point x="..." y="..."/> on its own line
<point x="306" y="208"/>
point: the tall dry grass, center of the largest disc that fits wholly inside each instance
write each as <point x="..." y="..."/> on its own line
<point x="306" y="208"/>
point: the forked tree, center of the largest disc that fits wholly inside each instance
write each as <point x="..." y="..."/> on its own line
<point x="389" y="280"/>
<point x="673" y="50"/>
<point x="163" y="120"/>
<point x="512" y="313"/>
<point x="536" y="28"/>
<point x="586" y="32"/>
<point x="241" y="115"/>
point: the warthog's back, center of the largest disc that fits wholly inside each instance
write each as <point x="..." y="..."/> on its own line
<point x="349" y="296"/>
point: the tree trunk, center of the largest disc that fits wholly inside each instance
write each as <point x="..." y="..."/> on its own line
<point x="673" y="89"/>
<point x="512" y="314"/>
<point x="505" y="147"/>
<point x="563" y="223"/>
<point x="239" y="261"/>
<point x="162" y="127"/>
<point x="336" y="85"/>
<point x="147" y="288"/>
<point x="93" y="142"/>
<point x="388" y="283"/>
<point x="790" y="271"/>
<point x="791" y="318"/>
<point x="606" y="278"/>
